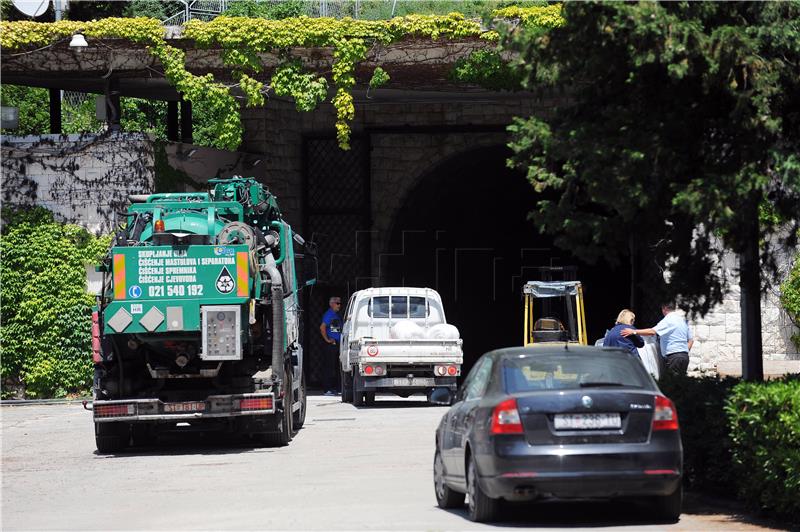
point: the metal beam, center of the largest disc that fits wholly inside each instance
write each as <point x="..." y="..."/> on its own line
<point x="55" y="111"/>
<point x="172" y="121"/>
<point x="186" y="121"/>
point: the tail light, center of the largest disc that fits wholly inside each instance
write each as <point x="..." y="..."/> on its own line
<point x="96" y="357"/>
<point x="505" y="418"/>
<point x="158" y="226"/>
<point x="379" y="370"/>
<point x="116" y="410"/>
<point x="442" y="371"/>
<point x="256" y="403"/>
<point x="369" y="370"/>
<point x="665" y="416"/>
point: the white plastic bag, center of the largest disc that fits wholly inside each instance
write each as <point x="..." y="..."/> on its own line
<point x="406" y="330"/>
<point x="443" y="331"/>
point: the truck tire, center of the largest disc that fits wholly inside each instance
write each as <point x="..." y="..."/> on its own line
<point x="300" y="415"/>
<point x="111" y="437"/>
<point x="347" y="387"/>
<point x="369" y="398"/>
<point x="284" y="435"/>
<point x="358" y="393"/>
<point x="143" y="434"/>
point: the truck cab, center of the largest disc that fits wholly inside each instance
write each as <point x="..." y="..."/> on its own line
<point x="397" y="339"/>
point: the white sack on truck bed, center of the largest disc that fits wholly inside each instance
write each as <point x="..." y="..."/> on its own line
<point x="443" y="331"/>
<point x="406" y="330"/>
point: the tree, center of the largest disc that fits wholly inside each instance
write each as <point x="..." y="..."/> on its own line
<point x="682" y="121"/>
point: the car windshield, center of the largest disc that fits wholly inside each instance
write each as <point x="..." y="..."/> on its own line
<point x="568" y="371"/>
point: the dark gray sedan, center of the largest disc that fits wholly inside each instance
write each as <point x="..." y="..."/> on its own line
<point x="558" y="422"/>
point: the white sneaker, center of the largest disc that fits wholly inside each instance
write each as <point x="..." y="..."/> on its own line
<point x="329" y="393"/>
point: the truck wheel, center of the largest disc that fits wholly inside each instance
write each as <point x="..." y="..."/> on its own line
<point x="347" y="387"/>
<point x="358" y="393"/>
<point x="284" y="435"/>
<point x="300" y="415"/>
<point x="369" y="398"/>
<point x="111" y="437"/>
<point x="143" y="434"/>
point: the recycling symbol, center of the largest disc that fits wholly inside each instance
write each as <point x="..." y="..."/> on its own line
<point x="225" y="282"/>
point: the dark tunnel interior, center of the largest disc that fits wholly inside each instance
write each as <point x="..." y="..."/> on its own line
<point x="464" y="231"/>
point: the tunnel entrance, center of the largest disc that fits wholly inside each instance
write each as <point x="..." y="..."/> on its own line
<point x="464" y="231"/>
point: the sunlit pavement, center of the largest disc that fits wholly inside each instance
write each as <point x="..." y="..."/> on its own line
<point x="347" y="469"/>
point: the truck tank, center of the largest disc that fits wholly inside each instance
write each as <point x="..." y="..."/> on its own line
<point x="198" y="323"/>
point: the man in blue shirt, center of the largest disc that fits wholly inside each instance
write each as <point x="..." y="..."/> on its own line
<point x="331" y="331"/>
<point x="675" y="338"/>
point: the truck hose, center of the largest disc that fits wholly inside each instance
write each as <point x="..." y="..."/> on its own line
<point x="277" y="315"/>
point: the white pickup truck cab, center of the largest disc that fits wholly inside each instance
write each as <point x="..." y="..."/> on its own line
<point x="397" y="340"/>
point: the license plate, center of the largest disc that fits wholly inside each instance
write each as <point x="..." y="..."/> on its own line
<point x="587" y="421"/>
<point x="192" y="406"/>
<point x="416" y="381"/>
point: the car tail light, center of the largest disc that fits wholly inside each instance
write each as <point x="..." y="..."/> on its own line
<point x="379" y="370"/>
<point x="440" y="370"/>
<point x="368" y="370"/>
<point x="505" y="418"/>
<point x="665" y="416"/>
<point x="116" y="410"/>
<point x="452" y="370"/>
<point x="256" y="403"/>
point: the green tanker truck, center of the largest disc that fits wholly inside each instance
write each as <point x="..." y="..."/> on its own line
<point x="197" y="326"/>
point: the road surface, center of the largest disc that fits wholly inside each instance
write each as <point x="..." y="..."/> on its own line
<point x="347" y="469"/>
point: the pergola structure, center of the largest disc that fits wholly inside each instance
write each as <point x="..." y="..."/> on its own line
<point x="420" y="69"/>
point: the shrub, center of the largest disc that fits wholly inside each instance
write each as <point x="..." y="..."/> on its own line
<point x="704" y="430"/>
<point x="45" y="339"/>
<point x="764" y="421"/>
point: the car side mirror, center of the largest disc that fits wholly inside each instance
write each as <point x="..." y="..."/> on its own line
<point x="441" y="396"/>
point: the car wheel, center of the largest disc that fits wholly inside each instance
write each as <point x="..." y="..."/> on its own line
<point x="482" y="508"/>
<point x="668" y="507"/>
<point x="445" y="497"/>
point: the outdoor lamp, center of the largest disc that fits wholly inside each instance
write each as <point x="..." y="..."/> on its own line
<point x="78" y="42"/>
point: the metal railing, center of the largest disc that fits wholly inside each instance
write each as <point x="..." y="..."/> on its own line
<point x="209" y="9"/>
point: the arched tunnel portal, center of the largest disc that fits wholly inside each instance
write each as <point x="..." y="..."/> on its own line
<point x="464" y="230"/>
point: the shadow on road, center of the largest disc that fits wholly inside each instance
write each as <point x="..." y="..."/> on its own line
<point x="195" y="443"/>
<point x="568" y="514"/>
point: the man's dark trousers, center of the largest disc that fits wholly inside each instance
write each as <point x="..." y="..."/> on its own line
<point x="678" y="363"/>
<point x="330" y="367"/>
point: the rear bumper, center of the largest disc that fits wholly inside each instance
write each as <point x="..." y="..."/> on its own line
<point x="416" y="383"/>
<point x="214" y="406"/>
<point x="576" y="485"/>
<point x="516" y="470"/>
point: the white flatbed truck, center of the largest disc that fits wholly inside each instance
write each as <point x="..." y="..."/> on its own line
<point x="396" y="339"/>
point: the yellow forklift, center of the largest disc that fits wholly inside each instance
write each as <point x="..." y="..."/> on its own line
<point x="554" y="313"/>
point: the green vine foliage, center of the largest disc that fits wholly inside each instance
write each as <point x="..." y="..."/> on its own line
<point x="306" y="89"/>
<point x="488" y="69"/>
<point x="242" y="39"/>
<point x="379" y="78"/>
<point x="790" y="298"/>
<point x="45" y="338"/>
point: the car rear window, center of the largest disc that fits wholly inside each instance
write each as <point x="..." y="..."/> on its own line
<point x="401" y="307"/>
<point x="523" y="373"/>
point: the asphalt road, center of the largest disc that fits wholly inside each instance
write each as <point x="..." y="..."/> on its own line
<point x="347" y="469"/>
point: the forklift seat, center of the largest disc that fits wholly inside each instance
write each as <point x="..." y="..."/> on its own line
<point x="549" y="330"/>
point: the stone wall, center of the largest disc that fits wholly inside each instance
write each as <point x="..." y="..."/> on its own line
<point x="718" y="333"/>
<point x="86" y="179"/>
<point x="83" y="178"/>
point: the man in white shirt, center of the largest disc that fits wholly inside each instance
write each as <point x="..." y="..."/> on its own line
<point x="675" y="338"/>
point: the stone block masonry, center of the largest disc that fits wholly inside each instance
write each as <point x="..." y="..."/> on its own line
<point x="83" y="179"/>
